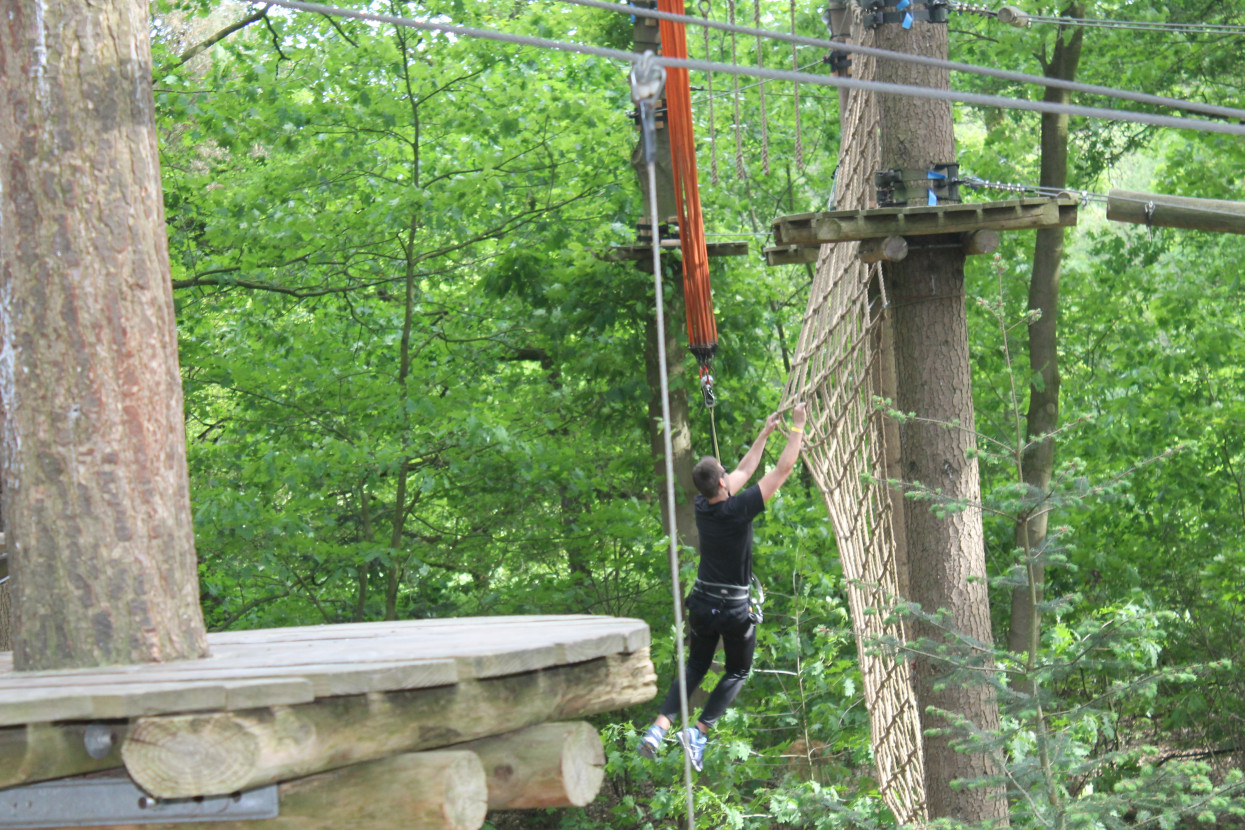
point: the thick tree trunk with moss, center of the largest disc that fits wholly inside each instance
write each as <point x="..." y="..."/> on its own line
<point x="946" y="553"/>
<point x="96" y="497"/>
<point x="1042" y="419"/>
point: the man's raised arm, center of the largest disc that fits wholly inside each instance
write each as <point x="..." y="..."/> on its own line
<point x="771" y="481"/>
<point x="736" y="479"/>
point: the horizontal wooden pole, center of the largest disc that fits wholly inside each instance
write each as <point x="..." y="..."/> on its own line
<point x="179" y="756"/>
<point x="980" y="242"/>
<point x="442" y="790"/>
<point x="43" y="751"/>
<point x="886" y="249"/>
<point x="792" y="254"/>
<point x="1216" y="215"/>
<point x="547" y="765"/>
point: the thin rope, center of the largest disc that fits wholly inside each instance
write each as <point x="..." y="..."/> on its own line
<point x="648" y="67"/>
<point x="713" y="129"/>
<point x="739" y="146"/>
<point x="775" y="74"/>
<point x="795" y="64"/>
<point x="709" y="97"/>
<point x="713" y="429"/>
<point x="756" y="19"/>
<point x="938" y="63"/>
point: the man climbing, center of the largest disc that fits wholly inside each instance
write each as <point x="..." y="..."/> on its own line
<point x="718" y="605"/>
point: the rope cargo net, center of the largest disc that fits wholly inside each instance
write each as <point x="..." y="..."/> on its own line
<point x="836" y="372"/>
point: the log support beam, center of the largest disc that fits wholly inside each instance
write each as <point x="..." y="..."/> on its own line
<point x="548" y="765"/>
<point x="44" y="751"/>
<point x="1153" y="209"/>
<point x="180" y="756"/>
<point x="886" y="249"/>
<point x="442" y="790"/>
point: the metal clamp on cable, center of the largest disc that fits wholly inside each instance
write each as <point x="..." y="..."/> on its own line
<point x="648" y="78"/>
<point x="706" y="387"/>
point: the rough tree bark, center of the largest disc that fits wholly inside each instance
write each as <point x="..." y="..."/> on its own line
<point x="946" y="556"/>
<point x="1042" y="419"/>
<point x="96" y="496"/>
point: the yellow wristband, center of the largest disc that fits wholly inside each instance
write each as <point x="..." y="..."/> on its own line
<point x="797" y="429"/>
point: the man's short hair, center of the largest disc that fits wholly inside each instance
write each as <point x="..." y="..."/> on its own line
<point x="706" y="475"/>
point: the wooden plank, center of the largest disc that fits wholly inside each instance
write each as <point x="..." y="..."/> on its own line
<point x="270" y="664"/>
<point x="847" y="225"/>
<point x="249" y="694"/>
<point x="20" y="706"/>
<point x="288" y="666"/>
<point x="124" y="700"/>
<point x="178" y="756"/>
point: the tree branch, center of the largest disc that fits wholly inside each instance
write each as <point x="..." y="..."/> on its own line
<point x="202" y="46"/>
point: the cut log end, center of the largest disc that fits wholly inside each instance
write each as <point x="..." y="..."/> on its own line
<point x="547" y="765"/>
<point x="190" y="756"/>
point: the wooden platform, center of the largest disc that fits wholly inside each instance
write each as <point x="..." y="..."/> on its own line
<point x="269" y="667"/>
<point x="854" y="225"/>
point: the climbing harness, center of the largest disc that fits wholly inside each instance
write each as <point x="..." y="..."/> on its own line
<point x="647" y="80"/>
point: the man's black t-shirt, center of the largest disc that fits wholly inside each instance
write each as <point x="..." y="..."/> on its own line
<point x="726" y="536"/>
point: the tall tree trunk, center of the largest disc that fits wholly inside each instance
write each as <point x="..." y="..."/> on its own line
<point x="648" y="38"/>
<point x="1024" y="632"/>
<point x="946" y="556"/>
<point x="397" y="565"/>
<point x="680" y="422"/>
<point x="96" y="495"/>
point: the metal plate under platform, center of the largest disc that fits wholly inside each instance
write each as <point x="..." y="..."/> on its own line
<point x="83" y="802"/>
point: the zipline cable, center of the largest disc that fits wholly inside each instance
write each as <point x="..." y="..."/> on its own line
<point x="647" y="79"/>
<point x="775" y="74"/>
<point x="1085" y="196"/>
<point x="937" y="63"/>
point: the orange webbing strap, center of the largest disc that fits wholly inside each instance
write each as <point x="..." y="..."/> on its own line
<point x="702" y="332"/>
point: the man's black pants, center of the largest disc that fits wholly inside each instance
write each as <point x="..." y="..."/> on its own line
<point x="710" y="618"/>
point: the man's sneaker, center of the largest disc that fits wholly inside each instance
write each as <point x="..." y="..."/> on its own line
<point x="694" y="741"/>
<point x="651" y="741"/>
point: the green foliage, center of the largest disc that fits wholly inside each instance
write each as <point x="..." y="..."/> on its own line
<point x="414" y="388"/>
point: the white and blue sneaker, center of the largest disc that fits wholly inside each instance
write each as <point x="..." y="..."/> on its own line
<point x="694" y="741"/>
<point x="650" y="741"/>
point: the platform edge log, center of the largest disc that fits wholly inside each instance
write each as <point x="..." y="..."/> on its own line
<point x="1216" y="215"/>
<point x="180" y="756"/>
<point x="547" y="765"/>
<point x="982" y="241"/>
<point x="443" y="790"/>
<point x="886" y="249"/>
<point x="42" y="751"/>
